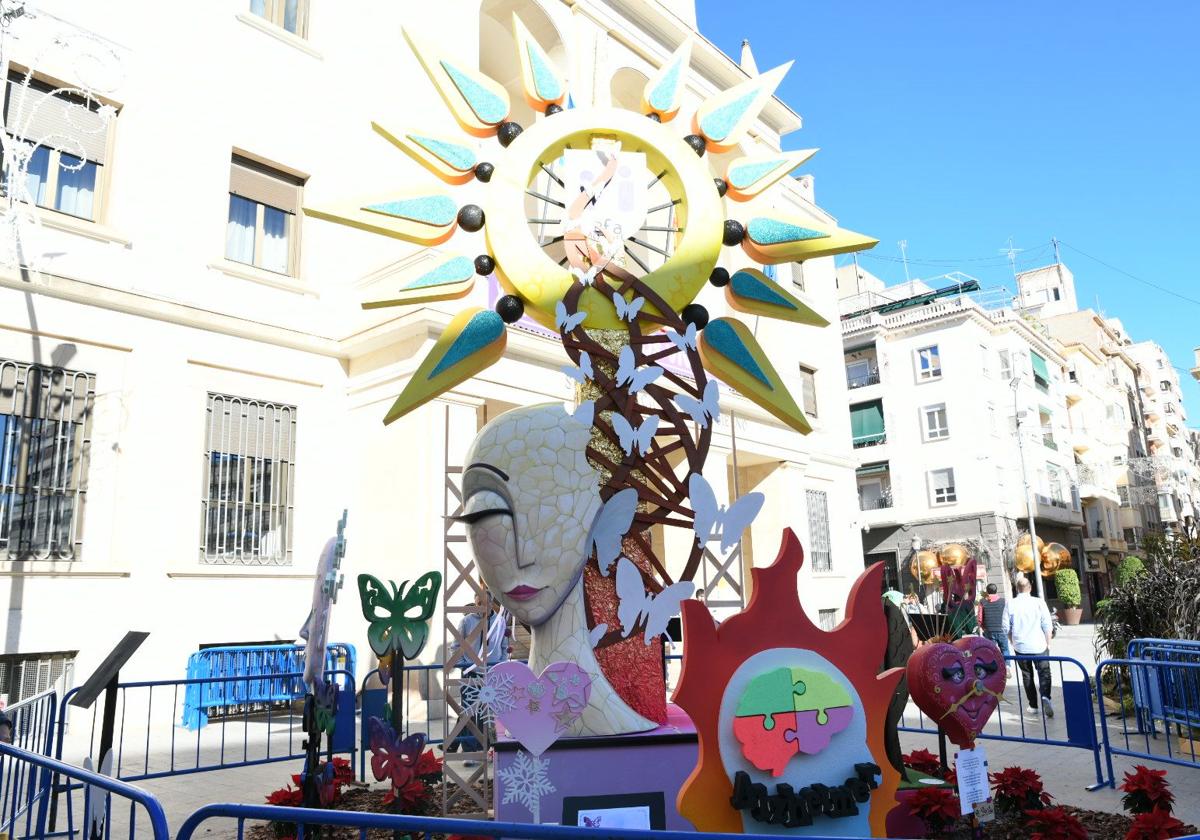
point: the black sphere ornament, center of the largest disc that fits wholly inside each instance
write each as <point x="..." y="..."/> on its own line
<point x="719" y="277"/>
<point x="484" y="265"/>
<point x="510" y="308"/>
<point x="553" y="108"/>
<point x="470" y="217"/>
<point x="696" y="142"/>
<point x="722" y="187"/>
<point x="483" y="171"/>
<point x="508" y="132"/>
<point x="654" y="117"/>
<point x="696" y="314"/>
<point x="734" y="232"/>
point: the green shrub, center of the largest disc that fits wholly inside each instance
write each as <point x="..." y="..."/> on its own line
<point x="1160" y="602"/>
<point x="1066" y="581"/>
<point x="1127" y="570"/>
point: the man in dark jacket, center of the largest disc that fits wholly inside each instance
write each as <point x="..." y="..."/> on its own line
<point x="899" y="648"/>
<point x="992" y="619"/>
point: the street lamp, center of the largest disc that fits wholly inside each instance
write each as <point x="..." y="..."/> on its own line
<point x="1019" y="415"/>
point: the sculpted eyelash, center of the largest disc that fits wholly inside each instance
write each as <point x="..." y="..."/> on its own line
<point x="475" y="516"/>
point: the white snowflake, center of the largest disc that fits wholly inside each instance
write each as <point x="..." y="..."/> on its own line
<point x="493" y="696"/>
<point x="526" y="781"/>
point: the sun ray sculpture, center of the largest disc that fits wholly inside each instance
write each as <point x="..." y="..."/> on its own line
<point x="603" y="225"/>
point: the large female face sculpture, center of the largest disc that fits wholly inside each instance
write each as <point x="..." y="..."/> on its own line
<point x="529" y="499"/>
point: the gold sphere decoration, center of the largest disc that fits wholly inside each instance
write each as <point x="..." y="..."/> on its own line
<point x="953" y="555"/>
<point x="1049" y="563"/>
<point x="1023" y="558"/>
<point x="1055" y="556"/>
<point x="1024" y="540"/>
<point x="924" y="566"/>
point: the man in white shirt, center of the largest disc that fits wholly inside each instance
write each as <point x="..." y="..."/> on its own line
<point x="1030" y="630"/>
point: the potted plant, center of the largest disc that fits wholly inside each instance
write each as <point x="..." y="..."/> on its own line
<point x="1067" y="583"/>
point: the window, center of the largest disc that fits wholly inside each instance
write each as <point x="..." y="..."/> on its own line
<point x="985" y="360"/>
<point x="993" y="419"/>
<point x="929" y="364"/>
<point x="1057" y="293"/>
<point x="935" y="422"/>
<point x="798" y="276"/>
<point x="1054" y="479"/>
<point x="263" y="228"/>
<point x="1123" y="494"/>
<point x="1158" y="363"/>
<point x="1169" y="408"/>
<point x="291" y="15"/>
<point x="818" y="530"/>
<point x="23" y="675"/>
<point x="1041" y="373"/>
<point x="250" y="450"/>
<point x="44" y="116"/>
<point x="861" y="373"/>
<point x="45" y="442"/>
<point x="827" y="619"/>
<point x="1000" y="475"/>
<point x="1046" y="420"/>
<point x="1164" y="385"/>
<point x="941" y="487"/>
<point x="866" y="424"/>
<point x="1005" y="365"/>
<point x="808" y="390"/>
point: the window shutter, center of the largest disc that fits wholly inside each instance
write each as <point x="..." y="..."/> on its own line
<point x="1039" y="368"/>
<point x="266" y="186"/>
<point x="37" y="116"/>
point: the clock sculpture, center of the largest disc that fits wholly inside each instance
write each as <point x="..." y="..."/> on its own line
<point x="603" y="225"/>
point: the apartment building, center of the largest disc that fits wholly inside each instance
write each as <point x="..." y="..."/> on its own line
<point x="190" y="392"/>
<point x="942" y="378"/>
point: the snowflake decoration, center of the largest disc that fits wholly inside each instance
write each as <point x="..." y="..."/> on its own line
<point x="494" y="694"/>
<point x="536" y="690"/>
<point x="526" y="781"/>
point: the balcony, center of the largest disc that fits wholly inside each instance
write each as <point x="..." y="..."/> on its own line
<point x="870" y="440"/>
<point x="1048" y="440"/>
<point x="861" y="380"/>
<point x="1057" y="510"/>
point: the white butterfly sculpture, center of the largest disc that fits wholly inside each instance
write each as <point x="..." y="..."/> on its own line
<point x="634" y="604"/>
<point x="685" y="340"/>
<point x="596" y="634"/>
<point x="585" y="414"/>
<point x="96" y="798"/>
<point x="711" y="517"/>
<point x="610" y="525"/>
<point x="585" y="277"/>
<point x="582" y="373"/>
<point x="640" y="438"/>
<point x="628" y="311"/>
<point x="704" y="409"/>
<point x="567" y="323"/>
<point x="627" y="371"/>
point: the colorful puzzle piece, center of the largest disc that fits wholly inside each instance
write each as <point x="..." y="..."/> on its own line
<point x="788" y="711"/>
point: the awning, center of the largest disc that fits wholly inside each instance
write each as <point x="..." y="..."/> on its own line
<point x="872" y="469"/>
<point x="866" y="420"/>
<point x="1040" y="371"/>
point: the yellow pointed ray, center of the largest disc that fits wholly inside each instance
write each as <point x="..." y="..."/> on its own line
<point x="426" y="216"/>
<point x="450" y="159"/>
<point x="729" y="352"/>
<point x="754" y="293"/>
<point x="476" y="101"/>
<point x="473" y="341"/>
<point x="724" y="118"/>
<point x="542" y="82"/>
<point x="748" y="176"/>
<point x="451" y="278"/>
<point x="780" y="238"/>
<point x="663" y="92"/>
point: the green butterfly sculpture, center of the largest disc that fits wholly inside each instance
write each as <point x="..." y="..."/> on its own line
<point x="399" y="619"/>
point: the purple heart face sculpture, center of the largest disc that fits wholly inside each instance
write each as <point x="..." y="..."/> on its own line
<point x="536" y="710"/>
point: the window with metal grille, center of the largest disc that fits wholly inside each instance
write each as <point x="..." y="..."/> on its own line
<point x="827" y="618"/>
<point x="818" y="530"/>
<point x="249" y="457"/>
<point x="45" y="441"/>
<point x="26" y="674"/>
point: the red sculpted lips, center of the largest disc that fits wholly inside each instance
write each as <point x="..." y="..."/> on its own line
<point x="522" y="593"/>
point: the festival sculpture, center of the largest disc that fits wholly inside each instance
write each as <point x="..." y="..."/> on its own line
<point x="603" y="225"/>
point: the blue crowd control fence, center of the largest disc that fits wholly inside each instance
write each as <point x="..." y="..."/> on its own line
<point x="265" y="663"/>
<point x="33" y="731"/>
<point x="26" y="782"/>
<point x="1074" y="726"/>
<point x="1172" y="689"/>
<point x="421" y="680"/>
<point x="422" y="826"/>
<point x="33" y="722"/>
<point x="148" y="744"/>
<point x="1152" y="689"/>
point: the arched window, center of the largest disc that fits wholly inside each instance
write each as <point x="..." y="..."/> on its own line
<point x="626" y="88"/>
<point x="498" y="54"/>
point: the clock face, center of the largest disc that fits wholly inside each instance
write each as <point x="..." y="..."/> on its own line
<point x="618" y="189"/>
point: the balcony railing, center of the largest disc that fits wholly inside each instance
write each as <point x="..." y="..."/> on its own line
<point x="1050" y="501"/>
<point x="870" y="440"/>
<point x="862" y="380"/>
<point x="1048" y="441"/>
<point x="884" y="501"/>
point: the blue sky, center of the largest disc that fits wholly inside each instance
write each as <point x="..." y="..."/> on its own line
<point x="957" y="125"/>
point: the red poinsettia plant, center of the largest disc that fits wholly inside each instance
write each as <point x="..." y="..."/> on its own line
<point x="923" y="761"/>
<point x="1054" y="824"/>
<point x="1019" y="789"/>
<point x="1146" y="790"/>
<point x="1155" y="825"/>
<point x="937" y="807"/>
<point x="332" y="777"/>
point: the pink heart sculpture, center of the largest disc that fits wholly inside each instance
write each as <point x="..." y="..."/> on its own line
<point x="536" y="710"/>
<point x="958" y="685"/>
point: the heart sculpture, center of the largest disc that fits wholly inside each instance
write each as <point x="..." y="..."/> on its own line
<point x="536" y="710"/>
<point x="958" y="685"/>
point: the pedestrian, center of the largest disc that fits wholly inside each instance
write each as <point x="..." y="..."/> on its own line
<point x="494" y="646"/>
<point x="912" y="606"/>
<point x="901" y="641"/>
<point x="992" y="620"/>
<point x="1030" y="630"/>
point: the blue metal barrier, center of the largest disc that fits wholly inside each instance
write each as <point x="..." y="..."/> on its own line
<point x="374" y="700"/>
<point x="250" y="738"/>
<point x="1176" y="685"/>
<point x="1148" y="694"/>
<point x="32" y="731"/>
<point x="1075" y="703"/>
<point x="264" y="664"/>
<point x="425" y="826"/>
<point x="25" y="779"/>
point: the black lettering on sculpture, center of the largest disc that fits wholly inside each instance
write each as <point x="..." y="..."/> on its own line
<point x="795" y="808"/>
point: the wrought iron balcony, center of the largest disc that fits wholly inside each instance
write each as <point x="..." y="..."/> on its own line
<point x="870" y="440"/>
<point x="862" y="380"/>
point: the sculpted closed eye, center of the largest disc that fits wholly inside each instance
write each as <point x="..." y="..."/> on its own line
<point x="954" y="673"/>
<point x="482" y="505"/>
<point x="985" y="669"/>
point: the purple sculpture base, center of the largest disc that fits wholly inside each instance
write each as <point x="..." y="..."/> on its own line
<point x="658" y="761"/>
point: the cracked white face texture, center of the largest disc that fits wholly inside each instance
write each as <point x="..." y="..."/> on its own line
<point x="529" y="499"/>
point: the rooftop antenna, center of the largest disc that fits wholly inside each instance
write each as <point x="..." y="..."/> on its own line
<point x="1012" y="252"/>
<point x="903" y="243"/>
